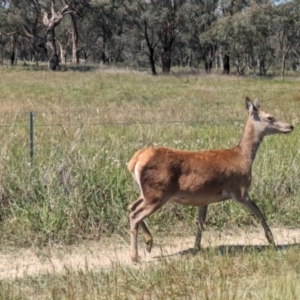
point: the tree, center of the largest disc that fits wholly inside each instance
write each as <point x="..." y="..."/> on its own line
<point x="251" y="31"/>
<point x="63" y="39"/>
<point x="253" y="34"/>
<point x="260" y="18"/>
<point x="52" y="18"/>
<point x="207" y="16"/>
<point x="220" y="31"/>
<point x="173" y="17"/>
<point x="158" y="23"/>
<point x="23" y="24"/>
<point x="141" y="18"/>
<point x="287" y="28"/>
<point x="102" y="31"/>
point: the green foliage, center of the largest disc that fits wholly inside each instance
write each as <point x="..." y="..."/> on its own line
<point x="256" y="36"/>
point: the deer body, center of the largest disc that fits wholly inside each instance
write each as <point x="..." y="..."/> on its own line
<point x="190" y="178"/>
<point x="199" y="178"/>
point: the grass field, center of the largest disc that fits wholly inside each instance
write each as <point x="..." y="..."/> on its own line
<point x="77" y="188"/>
<point x="248" y="274"/>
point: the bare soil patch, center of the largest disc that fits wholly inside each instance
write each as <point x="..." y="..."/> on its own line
<point x="106" y="252"/>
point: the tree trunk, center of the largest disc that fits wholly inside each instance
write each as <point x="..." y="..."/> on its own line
<point x="283" y="67"/>
<point x="166" y="60"/>
<point x="188" y="61"/>
<point x="217" y="58"/>
<point x="209" y="57"/>
<point x="12" y="57"/>
<point x="33" y="52"/>
<point x="208" y="66"/>
<point x="226" y="64"/>
<point x="13" y="49"/>
<point x="262" y="67"/>
<point x="151" y="48"/>
<point x="75" y="51"/>
<point x="221" y="61"/>
<point x="63" y="52"/>
<point x="152" y="62"/>
<point x="103" y="53"/>
<point x="53" y="61"/>
<point x="283" y="61"/>
<point x="51" y="20"/>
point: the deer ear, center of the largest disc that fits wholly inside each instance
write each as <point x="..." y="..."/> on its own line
<point x="256" y="103"/>
<point x="250" y="106"/>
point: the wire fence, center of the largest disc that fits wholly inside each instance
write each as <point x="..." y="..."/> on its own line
<point x="212" y="112"/>
<point x="209" y="114"/>
<point x="119" y="117"/>
<point x="33" y="132"/>
<point x="108" y="117"/>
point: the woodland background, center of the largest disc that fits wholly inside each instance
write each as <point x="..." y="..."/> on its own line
<point x="258" y="37"/>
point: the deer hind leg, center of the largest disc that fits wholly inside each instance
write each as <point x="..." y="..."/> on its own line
<point x="247" y="202"/>
<point x="140" y="211"/>
<point x="147" y="235"/>
<point x="200" y="227"/>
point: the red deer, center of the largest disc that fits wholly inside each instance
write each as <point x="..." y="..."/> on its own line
<point x="199" y="178"/>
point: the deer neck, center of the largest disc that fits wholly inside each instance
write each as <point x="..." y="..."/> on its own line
<point x="250" y="140"/>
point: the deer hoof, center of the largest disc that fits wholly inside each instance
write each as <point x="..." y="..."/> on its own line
<point x="270" y="238"/>
<point x="136" y="259"/>
<point x="196" y="249"/>
<point x="149" y="245"/>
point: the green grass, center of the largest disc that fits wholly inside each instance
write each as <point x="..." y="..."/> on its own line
<point x="217" y="273"/>
<point x="87" y="127"/>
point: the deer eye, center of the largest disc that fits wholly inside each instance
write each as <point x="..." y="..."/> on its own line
<point x="270" y="119"/>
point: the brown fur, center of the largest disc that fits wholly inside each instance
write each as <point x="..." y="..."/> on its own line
<point x="183" y="174"/>
<point x="199" y="178"/>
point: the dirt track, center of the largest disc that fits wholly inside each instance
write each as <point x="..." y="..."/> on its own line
<point x="97" y="255"/>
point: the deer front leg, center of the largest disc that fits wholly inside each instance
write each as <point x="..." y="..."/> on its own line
<point x="247" y="202"/>
<point x="200" y="227"/>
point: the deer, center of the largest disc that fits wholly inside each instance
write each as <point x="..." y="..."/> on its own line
<point x="199" y="178"/>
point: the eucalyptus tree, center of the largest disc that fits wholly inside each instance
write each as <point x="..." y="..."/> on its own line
<point x="204" y="14"/>
<point x="287" y="22"/>
<point x="52" y="16"/>
<point x="23" y="26"/>
<point x="158" y="24"/>
<point x="63" y="36"/>
<point x="13" y="29"/>
<point x="3" y="29"/>
<point x="243" y="32"/>
<point x="182" y="54"/>
<point x="251" y="38"/>
<point x="69" y="32"/>
<point x="221" y="29"/>
<point x="102" y="30"/>
<point x="296" y="57"/>
<point x="259" y="18"/>
<point x="220" y="34"/>
<point x="174" y="14"/>
<point x="142" y="18"/>
<point x="75" y="37"/>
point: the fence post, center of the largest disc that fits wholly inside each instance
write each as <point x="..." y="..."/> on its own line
<point x="31" y="136"/>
